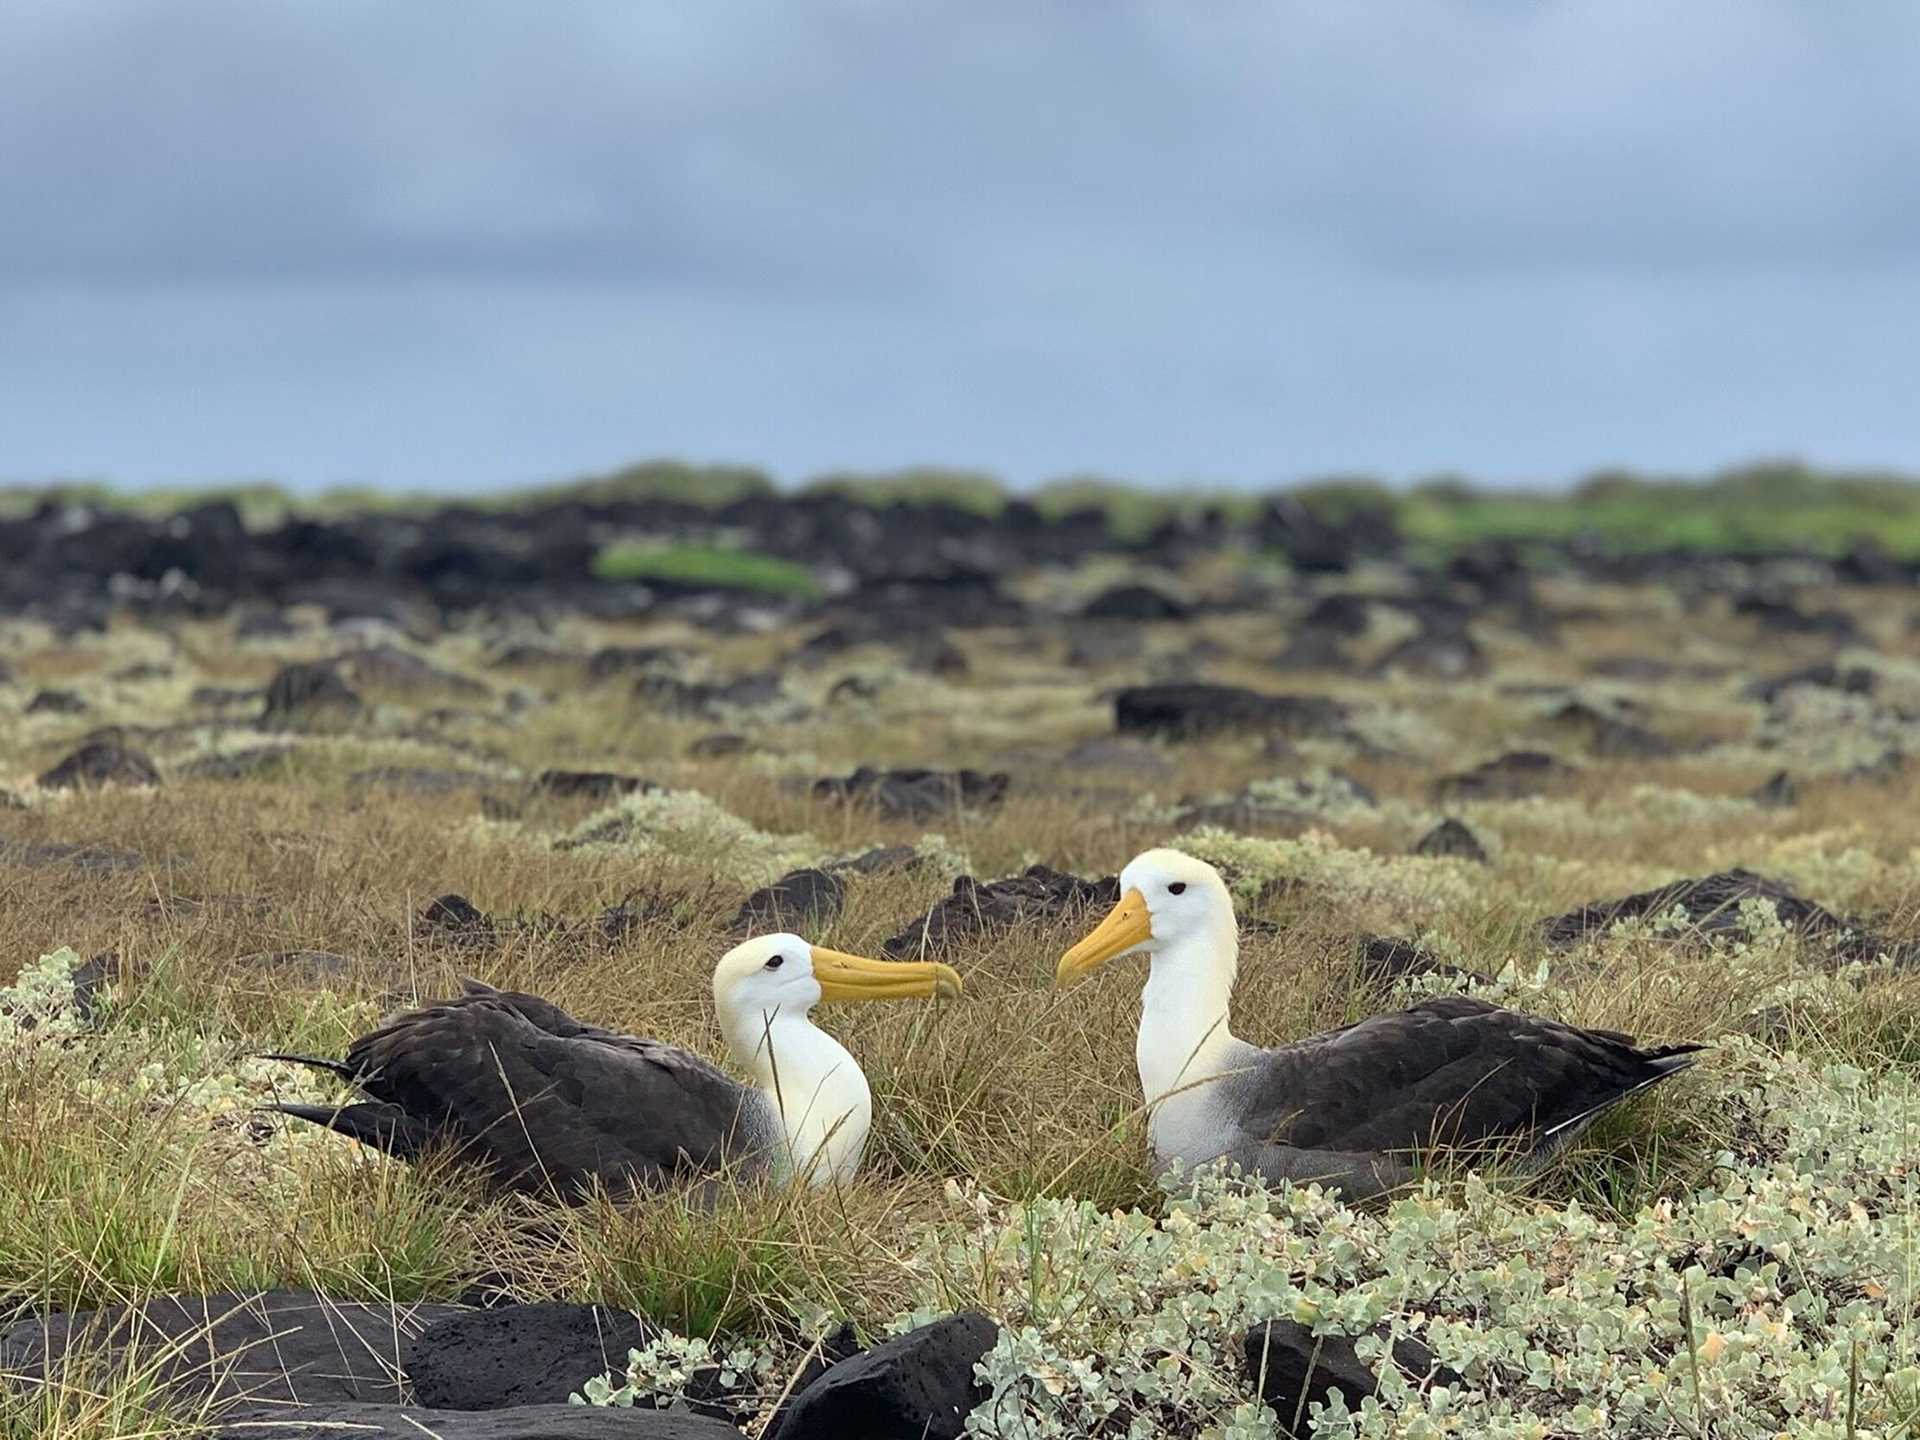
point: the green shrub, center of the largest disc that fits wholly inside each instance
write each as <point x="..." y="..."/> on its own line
<point x="706" y="565"/>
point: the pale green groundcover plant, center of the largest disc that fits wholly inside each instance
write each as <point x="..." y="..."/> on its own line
<point x="39" y="1005"/>
<point x="180" y="1075"/>
<point x="687" y="823"/>
<point x="1780" y="1299"/>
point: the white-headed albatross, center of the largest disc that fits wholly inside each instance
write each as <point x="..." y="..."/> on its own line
<point x="539" y="1101"/>
<point x="1355" y="1108"/>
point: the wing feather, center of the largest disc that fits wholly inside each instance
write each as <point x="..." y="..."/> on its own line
<point x="1452" y="1072"/>
<point x="517" y="1086"/>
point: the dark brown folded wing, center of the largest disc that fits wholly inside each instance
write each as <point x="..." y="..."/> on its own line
<point x="1451" y="1072"/>
<point x="515" y="1085"/>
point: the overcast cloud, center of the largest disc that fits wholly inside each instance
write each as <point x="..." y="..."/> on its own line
<point x="452" y="244"/>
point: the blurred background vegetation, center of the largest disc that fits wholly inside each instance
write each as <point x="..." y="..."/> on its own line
<point x="1769" y="506"/>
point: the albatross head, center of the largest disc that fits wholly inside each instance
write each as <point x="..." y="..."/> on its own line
<point x="1168" y="901"/>
<point x="773" y="975"/>
<point x="762" y="991"/>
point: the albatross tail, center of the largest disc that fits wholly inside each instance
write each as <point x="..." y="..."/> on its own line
<point x="385" y="1127"/>
<point x="1661" y="1063"/>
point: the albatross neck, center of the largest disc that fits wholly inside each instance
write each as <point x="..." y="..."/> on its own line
<point x="813" y="1086"/>
<point x="1185" y="1035"/>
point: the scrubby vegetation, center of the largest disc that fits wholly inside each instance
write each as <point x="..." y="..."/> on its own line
<point x="1767" y="507"/>
<point x="1735" y="1255"/>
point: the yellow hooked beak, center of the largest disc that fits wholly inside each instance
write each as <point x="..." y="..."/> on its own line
<point x="854" y="977"/>
<point x="1126" y="925"/>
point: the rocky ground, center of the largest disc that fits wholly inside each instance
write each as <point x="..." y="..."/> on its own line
<point x="257" y="788"/>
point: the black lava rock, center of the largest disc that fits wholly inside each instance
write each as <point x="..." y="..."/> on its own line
<point x="1515" y="774"/>
<point x="1779" y="793"/>
<point x="519" y="1354"/>
<point x="454" y="917"/>
<point x="796" y="901"/>
<point x="101" y="762"/>
<point x="1854" y="680"/>
<point x="973" y="909"/>
<point x="917" y="794"/>
<point x="1437" y="653"/>
<point x="522" y="1422"/>
<point x="280" y="1348"/>
<point x="1384" y="959"/>
<point x="1135" y="602"/>
<point x="1712" y="904"/>
<point x="589" y="784"/>
<point x="1608" y="735"/>
<point x="630" y="660"/>
<point x="56" y="702"/>
<point x="1451" y="839"/>
<point x="1186" y="712"/>
<point x="1291" y="1366"/>
<point x="308" y="696"/>
<point x="918" y="1386"/>
<point x="719" y="745"/>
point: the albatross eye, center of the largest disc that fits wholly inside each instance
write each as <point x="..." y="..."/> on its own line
<point x="1178" y="887"/>
<point x="776" y="962"/>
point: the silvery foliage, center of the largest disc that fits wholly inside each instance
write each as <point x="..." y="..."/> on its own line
<point x="1777" y="1299"/>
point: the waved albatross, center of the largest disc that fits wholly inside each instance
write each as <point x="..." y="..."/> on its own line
<point x="1354" y="1108"/>
<point x="541" y="1102"/>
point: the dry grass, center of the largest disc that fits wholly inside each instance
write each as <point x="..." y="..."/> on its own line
<point x="107" y="1191"/>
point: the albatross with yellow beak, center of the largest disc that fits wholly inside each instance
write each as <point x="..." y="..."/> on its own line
<point x="1356" y="1108"/>
<point x="542" y="1102"/>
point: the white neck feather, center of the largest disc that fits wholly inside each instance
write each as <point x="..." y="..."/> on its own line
<point x="1184" y="1033"/>
<point x="815" y="1088"/>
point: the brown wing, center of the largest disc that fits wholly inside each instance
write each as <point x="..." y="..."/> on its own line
<point x="515" y="1085"/>
<point x="1451" y="1072"/>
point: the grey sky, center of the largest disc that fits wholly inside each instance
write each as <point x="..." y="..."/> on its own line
<point x="452" y="244"/>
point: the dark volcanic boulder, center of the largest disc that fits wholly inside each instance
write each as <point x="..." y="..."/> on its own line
<point x="1135" y="602"/>
<point x="796" y="901"/>
<point x="589" y="784"/>
<point x="1091" y="646"/>
<point x="388" y="667"/>
<point x="519" y="1354"/>
<point x="283" y="1347"/>
<point x="1778" y="793"/>
<point x="256" y="762"/>
<point x="57" y="702"/>
<point x="1712" y="905"/>
<point x="881" y="860"/>
<point x="1609" y="735"/>
<point x="1854" y="680"/>
<point x="631" y="660"/>
<point x="1340" y="613"/>
<point x="1516" y="774"/>
<point x="1186" y="712"/>
<point x="522" y="1422"/>
<point x="1438" y="652"/>
<point x="1783" y="617"/>
<point x="974" y="909"/>
<point x="1288" y="1363"/>
<point x="454" y="917"/>
<point x="1453" y="840"/>
<point x="1385" y="958"/>
<point x="719" y="745"/>
<point x="308" y="696"/>
<point x="685" y="697"/>
<point x="105" y="761"/>
<point x="916" y="1385"/>
<point x="1315" y="650"/>
<point x="917" y="794"/>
